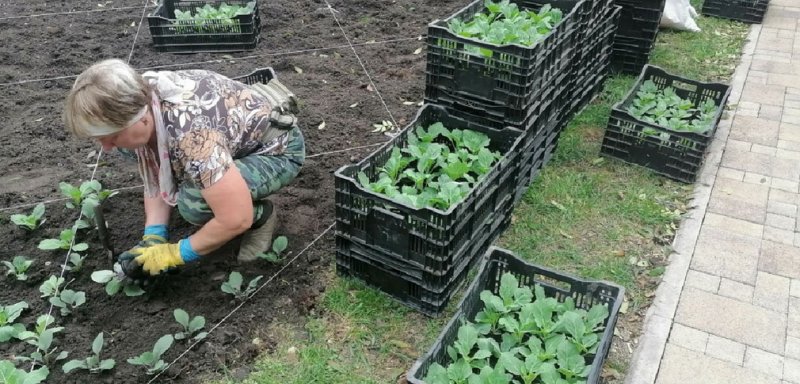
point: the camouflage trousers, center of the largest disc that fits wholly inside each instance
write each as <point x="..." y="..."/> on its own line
<point x="264" y="174"/>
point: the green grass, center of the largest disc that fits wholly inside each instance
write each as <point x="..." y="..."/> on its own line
<point x="586" y="215"/>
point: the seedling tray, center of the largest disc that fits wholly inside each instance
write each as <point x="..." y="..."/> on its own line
<point x="746" y="11"/>
<point x="677" y="155"/>
<point x="515" y="78"/>
<point x="427" y="238"/>
<point x="498" y="261"/>
<point x="207" y="36"/>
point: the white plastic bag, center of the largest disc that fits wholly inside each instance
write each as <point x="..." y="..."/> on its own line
<point x="679" y="14"/>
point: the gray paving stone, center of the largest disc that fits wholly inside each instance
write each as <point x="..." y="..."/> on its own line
<point x="784" y="169"/>
<point x="701" y="280"/>
<point x="794" y="290"/>
<point x="748" y="161"/>
<point x="733" y="319"/>
<point x="688" y="338"/>
<point x="780" y="208"/>
<point x="771" y="112"/>
<point x="780" y="221"/>
<point x="789" y="144"/>
<point x="764" y="94"/>
<point x="733" y="144"/>
<point x="792" y="347"/>
<point x="757" y="178"/>
<point x="779" y="259"/>
<point x="729" y="173"/>
<point x="754" y="194"/>
<point x="727" y="254"/>
<point x="783" y="236"/>
<point x="791" y="370"/>
<point x="772" y="292"/>
<point x="738" y="209"/>
<point x="736" y="290"/>
<point x="790" y="119"/>
<point x="777" y="195"/>
<point x="765" y="362"/>
<point x="788" y="131"/>
<point x="793" y="319"/>
<point x="766" y="150"/>
<point x="787" y="154"/>
<point x="781" y="78"/>
<point x="725" y="349"/>
<point x="713" y="220"/>
<point x="684" y="366"/>
<point x="773" y="21"/>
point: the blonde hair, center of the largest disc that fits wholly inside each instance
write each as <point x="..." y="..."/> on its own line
<point x="104" y="99"/>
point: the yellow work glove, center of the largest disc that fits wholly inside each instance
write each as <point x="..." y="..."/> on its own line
<point x="158" y="258"/>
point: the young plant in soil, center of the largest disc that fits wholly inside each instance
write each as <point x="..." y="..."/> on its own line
<point x="504" y="23"/>
<point x="50" y="287"/>
<point x="64" y="242"/>
<point x="32" y="221"/>
<point x="152" y="359"/>
<point x="8" y="314"/>
<point x="665" y="108"/>
<point x="11" y="375"/>
<point x="93" y="363"/>
<point x="278" y="246"/>
<point x="46" y="354"/>
<point x="438" y="168"/>
<point x="523" y="336"/>
<point x="68" y="300"/>
<point x="190" y="327"/>
<point x="75" y="262"/>
<point x="18" y="267"/>
<point x="234" y="286"/>
<point x="114" y="282"/>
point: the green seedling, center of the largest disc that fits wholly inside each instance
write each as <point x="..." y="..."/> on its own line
<point x="42" y="324"/>
<point x="438" y="167"/>
<point x="8" y="314"/>
<point x="18" y="267"/>
<point x="9" y="374"/>
<point x="75" y="262"/>
<point x="50" y="287"/>
<point x="32" y="221"/>
<point x="64" y="241"/>
<point x="665" y="108"/>
<point x="234" y="286"/>
<point x="504" y="23"/>
<point x="209" y="19"/>
<point x="68" y="300"/>
<point x="93" y="363"/>
<point x="114" y="283"/>
<point x="278" y="246"/>
<point x="152" y="359"/>
<point x="190" y="327"/>
<point x="76" y="195"/>
<point x="45" y="353"/>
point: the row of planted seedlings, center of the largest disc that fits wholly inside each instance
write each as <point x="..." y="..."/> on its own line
<point x="33" y="350"/>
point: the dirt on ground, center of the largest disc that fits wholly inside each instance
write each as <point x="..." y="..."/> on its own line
<point x="44" y="49"/>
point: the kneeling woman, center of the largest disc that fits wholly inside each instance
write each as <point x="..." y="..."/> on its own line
<point x="213" y="146"/>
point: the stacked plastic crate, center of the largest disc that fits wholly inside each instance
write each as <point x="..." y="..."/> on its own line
<point x="636" y="36"/>
<point x="512" y="85"/>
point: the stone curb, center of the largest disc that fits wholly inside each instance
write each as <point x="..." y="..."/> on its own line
<point x="646" y="359"/>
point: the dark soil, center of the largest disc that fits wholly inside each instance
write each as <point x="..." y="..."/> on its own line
<point x="304" y="44"/>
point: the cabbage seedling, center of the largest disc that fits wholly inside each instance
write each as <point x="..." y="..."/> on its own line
<point x="42" y="322"/>
<point x="18" y="267"/>
<point x="234" y="286"/>
<point x="11" y="375"/>
<point x="46" y="353"/>
<point x="152" y="359"/>
<point x="32" y="221"/>
<point x="50" y="286"/>
<point x="189" y="326"/>
<point x="68" y="300"/>
<point x="114" y="282"/>
<point x="93" y="364"/>
<point x="278" y="246"/>
<point x="63" y="242"/>
<point x="75" y="262"/>
<point x="8" y="314"/>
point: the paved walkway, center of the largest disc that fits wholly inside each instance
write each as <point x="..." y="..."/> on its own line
<point x="728" y="309"/>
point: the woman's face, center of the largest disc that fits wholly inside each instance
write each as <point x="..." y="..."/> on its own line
<point x="134" y="136"/>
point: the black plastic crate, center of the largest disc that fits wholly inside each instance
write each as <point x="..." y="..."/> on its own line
<point x="428" y="295"/>
<point x="427" y="238"/>
<point x="498" y="261"/>
<point x="677" y="155"/>
<point x="210" y="36"/>
<point x="746" y="11"/>
<point x="636" y="35"/>
<point x="515" y="78"/>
